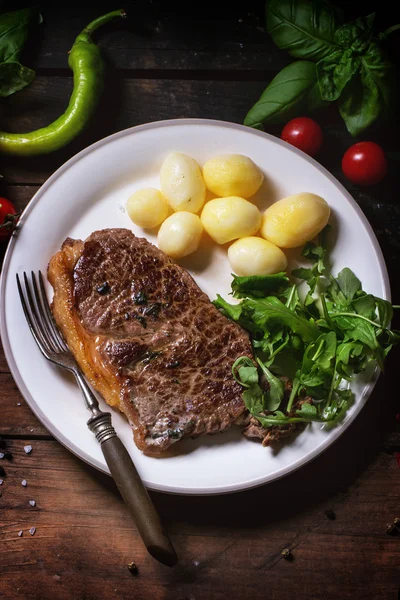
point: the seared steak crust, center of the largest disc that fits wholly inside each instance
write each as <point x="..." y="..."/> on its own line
<point x="147" y="337"/>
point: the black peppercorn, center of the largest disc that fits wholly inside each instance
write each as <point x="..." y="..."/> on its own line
<point x="103" y="289"/>
<point x="133" y="568"/>
<point x="330" y="514"/>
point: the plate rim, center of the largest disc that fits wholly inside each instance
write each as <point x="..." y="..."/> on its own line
<point x="81" y="454"/>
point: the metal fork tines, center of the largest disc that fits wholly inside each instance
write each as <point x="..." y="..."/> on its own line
<point x="52" y="345"/>
<point x="41" y="322"/>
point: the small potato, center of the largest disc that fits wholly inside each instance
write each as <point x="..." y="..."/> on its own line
<point x="232" y="175"/>
<point x="256" y="256"/>
<point x="147" y="208"/>
<point x="226" y="219"/>
<point x="295" y="220"/>
<point x="180" y="234"/>
<point x="182" y="183"/>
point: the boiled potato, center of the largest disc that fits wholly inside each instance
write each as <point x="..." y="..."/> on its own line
<point x="295" y="220"/>
<point x="232" y="175"/>
<point x="182" y="183"/>
<point x="180" y="234"/>
<point x="226" y="219"/>
<point x="147" y="208"/>
<point x="256" y="256"/>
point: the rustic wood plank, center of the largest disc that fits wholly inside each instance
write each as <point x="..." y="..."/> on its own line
<point x="16" y="418"/>
<point x="85" y="538"/>
<point x="19" y="195"/>
<point x="165" y="36"/>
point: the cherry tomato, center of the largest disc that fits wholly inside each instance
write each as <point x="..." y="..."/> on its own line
<point x="304" y="133"/>
<point x="364" y="163"/>
<point x="7" y="211"/>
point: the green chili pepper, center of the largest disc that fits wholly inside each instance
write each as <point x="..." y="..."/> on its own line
<point x="86" y="62"/>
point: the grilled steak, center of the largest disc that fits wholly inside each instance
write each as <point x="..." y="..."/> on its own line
<point x="147" y="338"/>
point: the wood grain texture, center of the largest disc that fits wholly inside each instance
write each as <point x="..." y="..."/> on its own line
<point x="16" y="418"/>
<point x="168" y="36"/>
<point x="85" y="538"/>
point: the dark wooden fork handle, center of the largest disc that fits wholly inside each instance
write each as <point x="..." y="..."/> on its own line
<point x="133" y="492"/>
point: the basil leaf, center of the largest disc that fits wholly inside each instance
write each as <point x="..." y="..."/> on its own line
<point x="335" y="71"/>
<point x="355" y="32"/>
<point x="14" y="28"/>
<point x="258" y="285"/>
<point x="360" y="103"/>
<point x="292" y="92"/>
<point x="14" y="77"/>
<point x="348" y="283"/>
<point x="305" y="29"/>
<point x="379" y="69"/>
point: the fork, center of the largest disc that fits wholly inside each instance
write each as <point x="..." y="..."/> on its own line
<point x="53" y="347"/>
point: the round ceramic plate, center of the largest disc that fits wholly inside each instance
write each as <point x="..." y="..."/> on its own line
<point x="88" y="193"/>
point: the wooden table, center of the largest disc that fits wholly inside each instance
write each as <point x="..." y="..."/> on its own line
<point x="163" y="65"/>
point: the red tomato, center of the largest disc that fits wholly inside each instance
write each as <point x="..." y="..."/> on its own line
<point x="7" y="210"/>
<point x="364" y="163"/>
<point x="304" y="133"/>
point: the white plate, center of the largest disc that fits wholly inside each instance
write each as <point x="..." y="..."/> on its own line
<point x="88" y="193"/>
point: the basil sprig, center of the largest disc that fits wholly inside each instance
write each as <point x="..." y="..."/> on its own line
<point x="339" y="62"/>
<point x="14" y="28"/>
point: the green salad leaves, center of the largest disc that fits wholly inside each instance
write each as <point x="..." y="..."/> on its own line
<point x="320" y="342"/>
<point x="337" y="61"/>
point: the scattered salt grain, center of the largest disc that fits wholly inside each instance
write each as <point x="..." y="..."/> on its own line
<point x="1" y="482"/>
<point x="18" y="403"/>
<point x="32" y="530"/>
<point x="20" y="533"/>
<point x="28" y="449"/>
<point x="32" y="502"/>
<point x="23" y="483"/>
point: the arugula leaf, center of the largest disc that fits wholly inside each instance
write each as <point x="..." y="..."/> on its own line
<point x="365" y="305"/>
<point x="233" y="311"/>
<point x="385" y="312"/>
<point x="258" y="285"/>
<point x="305" y="29"/>
<point x="292" y="92"/>
<point x="291" y="298"/>
<point x="273" y="397"/>
<point x="348" y="283"/>
<point x="14" y="77"/>
<point x="270" y="311"/>
<point x="253" y="398"/>
<point x="357" y="329"/>
<point x="308" y="411"/>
